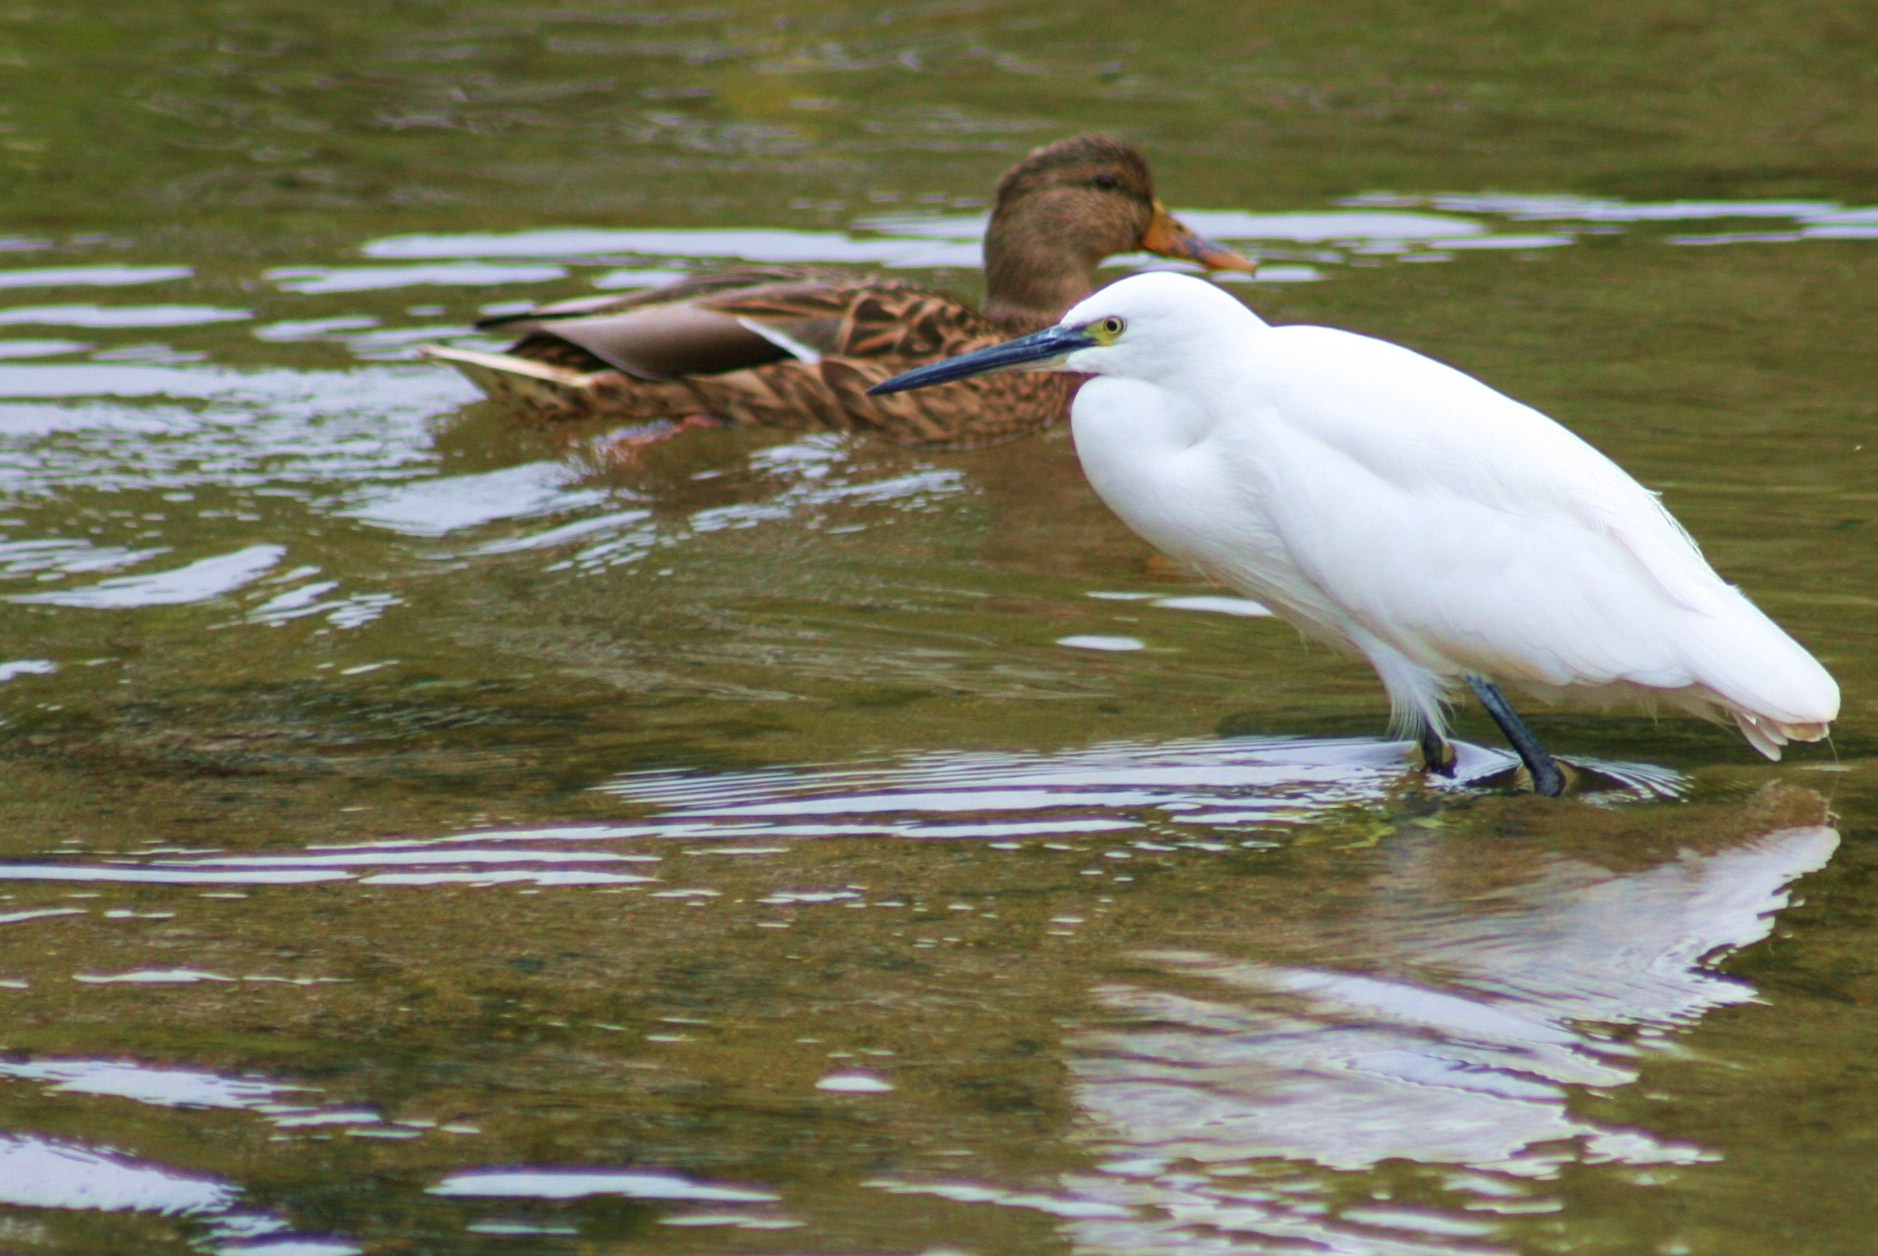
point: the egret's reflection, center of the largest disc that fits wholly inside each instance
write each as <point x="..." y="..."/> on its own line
<point x="1443" y="1018"/>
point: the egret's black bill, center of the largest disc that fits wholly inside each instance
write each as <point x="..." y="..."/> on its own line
<point x="1034" y="352"/>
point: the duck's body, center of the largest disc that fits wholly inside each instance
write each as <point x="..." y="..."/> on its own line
<point x="798" y="347"/>
<point x="771" y="347"/>
<point x="1396" y="508"/>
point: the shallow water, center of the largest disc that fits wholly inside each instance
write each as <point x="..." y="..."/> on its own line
<point x="420" y="836"/>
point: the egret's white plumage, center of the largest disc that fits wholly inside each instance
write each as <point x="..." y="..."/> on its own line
<point x="1397" y="508"/>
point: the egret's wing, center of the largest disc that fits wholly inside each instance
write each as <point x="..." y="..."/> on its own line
<point x="1470" y="532"/>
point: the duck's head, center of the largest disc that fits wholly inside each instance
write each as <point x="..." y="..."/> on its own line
<point x="1066" y="207"/>
<point x="1157" y="326"/>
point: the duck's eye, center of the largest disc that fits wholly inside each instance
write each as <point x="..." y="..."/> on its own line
<point x="1106" y="181"/>
<point x="1113" y="326"/>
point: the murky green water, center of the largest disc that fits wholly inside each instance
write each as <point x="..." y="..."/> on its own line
<point x="417" y="839"/>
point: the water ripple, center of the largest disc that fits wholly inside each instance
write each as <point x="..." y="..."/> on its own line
<point x="445" y="504"/>
<point x="1183" y="787"/>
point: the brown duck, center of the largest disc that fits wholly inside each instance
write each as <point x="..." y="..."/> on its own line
<point x="798" y="348"/>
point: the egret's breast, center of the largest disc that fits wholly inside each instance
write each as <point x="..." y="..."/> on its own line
<point x="1190" y="486"/>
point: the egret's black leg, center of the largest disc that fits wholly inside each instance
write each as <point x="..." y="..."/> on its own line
<point x="1546" y="777"/>
<point x="1437" y="754"/>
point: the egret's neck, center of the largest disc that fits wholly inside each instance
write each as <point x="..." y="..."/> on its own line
<point x="1143" y="449"/>
<point x="1122" y="420"/>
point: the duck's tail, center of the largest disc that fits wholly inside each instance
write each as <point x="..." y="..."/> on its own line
<point x="547" y="392"/>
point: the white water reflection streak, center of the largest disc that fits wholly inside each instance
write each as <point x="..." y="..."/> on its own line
<point x="579" y="1183"/>
<point x="746" y="1209"/>
<point x="200" y="581"/>
<point x="40" y="1172"/>
<point x="489" y="858"/>
<point x="162" y="1087"/>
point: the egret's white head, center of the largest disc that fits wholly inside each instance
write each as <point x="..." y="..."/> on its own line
<point x="1143" y="327"/>
<point x="1148" y="324"/>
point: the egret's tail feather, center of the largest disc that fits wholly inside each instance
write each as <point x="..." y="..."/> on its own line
<point x="1764" y="737"/>
<point x="1759" y="678"/>
<point x="1768" y="736"/>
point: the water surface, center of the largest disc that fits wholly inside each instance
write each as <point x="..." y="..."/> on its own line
<point x="422" y="834"/>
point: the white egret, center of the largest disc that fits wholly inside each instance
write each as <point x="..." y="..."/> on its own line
<point x="1395" y="508"/>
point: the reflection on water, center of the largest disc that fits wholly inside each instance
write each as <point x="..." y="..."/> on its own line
<point x="47" y="1174"/>
<point x="1445" y="1013"/>
<point x="176" y="428"/>
<point x="117" y="316"/>
<point x="750" y="245"/>
<point x="1407" y="990"/>
<point x="1174" y="787"/>
<point x="571" y="1184"/>
<point x="99" y="276"/>
<point x="197" y="582"/>
<point x="444" y="504"/>
<point x="1453" y="1036"/>
<point x="40" y="1172"/>
<point x="316" y="281"/>
<point x="484" y="858"/>
<point x="172" y="1088"/>
<point x="1562" y="208"/>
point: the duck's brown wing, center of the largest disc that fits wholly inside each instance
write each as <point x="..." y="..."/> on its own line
<point x="696" y="326"/>
<point x="851" y="334"/>
<point x="887" y="328"/>
<point x="766" y="347"/>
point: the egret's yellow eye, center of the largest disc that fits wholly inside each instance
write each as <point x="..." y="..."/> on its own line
<point x="1111" y="327"/>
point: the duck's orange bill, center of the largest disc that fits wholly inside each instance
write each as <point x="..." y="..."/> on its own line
<point x="1170" y="237"/>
